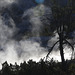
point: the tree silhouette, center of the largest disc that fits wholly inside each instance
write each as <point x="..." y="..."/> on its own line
<point x="62" y="19"/>
<point x="62" y="40"/>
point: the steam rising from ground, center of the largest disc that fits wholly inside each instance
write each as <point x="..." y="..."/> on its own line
<point x="18" y="51"/>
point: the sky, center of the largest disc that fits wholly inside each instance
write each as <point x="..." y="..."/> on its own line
<point x="39" y="1"/>
<point x="15" y="44"/>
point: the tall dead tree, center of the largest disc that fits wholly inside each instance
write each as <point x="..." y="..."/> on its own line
<point x="62" y="17"/>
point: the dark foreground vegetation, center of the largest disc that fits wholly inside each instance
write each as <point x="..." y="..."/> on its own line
<point x="39" y="68"/>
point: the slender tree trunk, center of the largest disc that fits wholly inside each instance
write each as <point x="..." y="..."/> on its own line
<point x="61" y="38"/>
<point x="61" y="47"/>
<point x="61" y="50"/>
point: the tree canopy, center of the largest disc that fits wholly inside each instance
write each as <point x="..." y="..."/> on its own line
<point x="63" y="15"/>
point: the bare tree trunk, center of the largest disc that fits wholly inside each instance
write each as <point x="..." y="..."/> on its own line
<point x="61" y="50"/>
<point x="61" y="47"/>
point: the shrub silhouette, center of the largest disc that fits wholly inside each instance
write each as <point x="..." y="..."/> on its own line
<point x="38" y="68"/>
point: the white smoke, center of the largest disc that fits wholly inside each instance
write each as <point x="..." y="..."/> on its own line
<point x="6" y="33"/>
<point x="35" y="15"/>
<point x="4" y="3"/>
<point x="18" y="51"/>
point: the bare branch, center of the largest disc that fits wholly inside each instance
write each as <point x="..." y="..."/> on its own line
<point x="51" y="49"/>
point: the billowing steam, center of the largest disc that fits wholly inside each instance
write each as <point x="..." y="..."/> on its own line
<point x="29" y="45"/>
<point x="4" y="3"/>
<point x="16" y="51"/>
<point x="12" y="50"/>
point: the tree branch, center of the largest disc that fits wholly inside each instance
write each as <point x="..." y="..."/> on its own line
<point x="51" y="49"/>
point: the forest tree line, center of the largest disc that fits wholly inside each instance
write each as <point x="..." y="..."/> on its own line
<point x="38" y="68"/>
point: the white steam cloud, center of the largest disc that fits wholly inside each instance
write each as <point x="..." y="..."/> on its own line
<point x="35" y="15"/>
<point x="4" y="3"/>
<point x="18" y="51"/>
